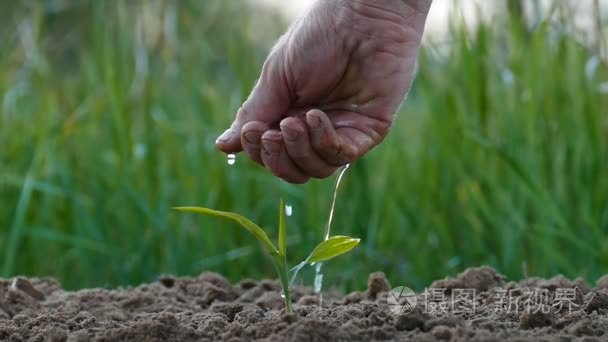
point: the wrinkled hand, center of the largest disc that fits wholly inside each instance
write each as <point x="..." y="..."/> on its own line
<point x="330" y="88"/>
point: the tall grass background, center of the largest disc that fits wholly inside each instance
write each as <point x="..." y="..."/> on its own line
<point x="109" y="111"/>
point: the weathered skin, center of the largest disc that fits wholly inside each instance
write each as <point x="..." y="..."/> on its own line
<point x="330" y="88"/>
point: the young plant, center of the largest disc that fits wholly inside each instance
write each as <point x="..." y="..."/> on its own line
<point x="326" y="250"/>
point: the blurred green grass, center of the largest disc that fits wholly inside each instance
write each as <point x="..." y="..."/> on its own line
<point x="110" y="109"/>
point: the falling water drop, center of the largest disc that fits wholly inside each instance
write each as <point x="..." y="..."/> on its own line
<point x="288" y="210"/>
<point x="231" y="159"/>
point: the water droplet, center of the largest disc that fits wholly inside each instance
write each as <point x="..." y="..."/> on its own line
<point x="288" y="210"/>
<point x="231" y="159"/>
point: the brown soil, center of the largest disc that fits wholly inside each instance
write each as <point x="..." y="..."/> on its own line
<point x="209" y="308"/>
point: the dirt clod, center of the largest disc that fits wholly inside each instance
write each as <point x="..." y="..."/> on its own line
<point x="27" y="287"/>
<point x="228" y="309"/>
<point x="599" y="300"/>
<point x="167" y="281"/>
<point x="411" y="321"/>
<point x="480" y="279"/>
<point x="209" y="308"/>
<point x="377" y="283"/>
<point x="309" y="300"/>
<point x="602" y="283"/>
<point x="442" y="333"/>
<point x="537" y="317"/>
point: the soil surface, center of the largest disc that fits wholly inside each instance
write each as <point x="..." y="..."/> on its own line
<point x="477" y="305"/>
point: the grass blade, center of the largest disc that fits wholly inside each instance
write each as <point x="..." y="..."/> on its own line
<point x="331" y="248"/>
<point x="243" y="221"/>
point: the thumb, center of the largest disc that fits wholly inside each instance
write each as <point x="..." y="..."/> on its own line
<point x="268" y="103"/>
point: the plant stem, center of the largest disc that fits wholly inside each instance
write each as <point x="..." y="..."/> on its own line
<point x="280" y="262"/>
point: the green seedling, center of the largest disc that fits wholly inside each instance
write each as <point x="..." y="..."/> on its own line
<point x="326" y="250"/>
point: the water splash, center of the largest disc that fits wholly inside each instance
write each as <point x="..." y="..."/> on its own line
<point x="231" y="159"/>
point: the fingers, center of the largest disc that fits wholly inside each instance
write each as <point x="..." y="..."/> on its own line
<point x="335" y="150"/>
<point x="275" y="158"/>
<point x="304" y="147"/>
<point x="267" y="103"/>
<point x="287" y="154"/>
<point x="299" y="148"/>
<point x="251" y="139"/>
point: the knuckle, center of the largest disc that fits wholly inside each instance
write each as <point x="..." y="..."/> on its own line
<point x="348" y="155"/>
<point x="344" y="158"/>
<point x="328" y="145"/>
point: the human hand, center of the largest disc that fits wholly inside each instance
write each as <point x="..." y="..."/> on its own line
<point x="330" y="88"/>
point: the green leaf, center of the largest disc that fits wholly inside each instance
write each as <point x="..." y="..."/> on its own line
<point x="282" y="230"/>
<point x="331" y="248"/>
<point x="243" y="221"/>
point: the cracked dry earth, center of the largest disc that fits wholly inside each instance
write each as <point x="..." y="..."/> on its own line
<point x="209" y="308"/>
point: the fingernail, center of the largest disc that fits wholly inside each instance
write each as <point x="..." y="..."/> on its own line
<point x="271" y="146"/>
<point x="290" y="134"/>
<point x="313" y="120"/>
<point x="253" y="137"/>
<point x="227" y="135"/>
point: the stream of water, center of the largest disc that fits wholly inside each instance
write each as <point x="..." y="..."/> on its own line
<point x="318" y="284"/>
